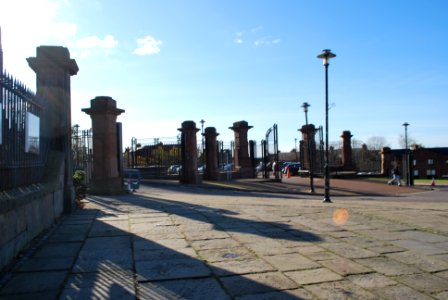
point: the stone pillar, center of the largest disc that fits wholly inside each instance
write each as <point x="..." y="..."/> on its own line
<point x="308" y="134"/>
<point x="386" y="161"/>
<point x="211" y="154"/>
<point x="53" y="68"/>
<point x="242" y="159"/>
<point x="347" y="162"/>
<point x="189" y="152"/>
<point x="106" y="179"/>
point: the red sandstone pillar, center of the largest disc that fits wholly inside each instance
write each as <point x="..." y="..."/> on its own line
<point x="211" y="150"/>
<point x="53" y="67"/>
<point x="189" y="173"/>
<point x="106" y="179"/>
<point x="243" y="163"/>
<point x="347" y="162"/>
<point x="308" y="144"/>
<point x="386" y="161"/>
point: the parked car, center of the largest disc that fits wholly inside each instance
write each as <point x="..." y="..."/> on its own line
<point x="293" y="168"/>
<point x="259" y="168"/>
<point x="173" y="170"/>
<point x="228" y="167"/>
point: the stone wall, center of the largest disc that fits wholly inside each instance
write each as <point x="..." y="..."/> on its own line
<point x="26" y="212"/>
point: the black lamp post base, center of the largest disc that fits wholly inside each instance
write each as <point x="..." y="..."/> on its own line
<point x="327" y="200"/>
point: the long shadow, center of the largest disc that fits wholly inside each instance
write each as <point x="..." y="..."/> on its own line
<point x="202" y="189"/>
<point x="112" y="263"/>
<point x="222" y="220"/>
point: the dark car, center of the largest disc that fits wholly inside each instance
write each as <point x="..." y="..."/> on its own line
<point x="293" y="168"/>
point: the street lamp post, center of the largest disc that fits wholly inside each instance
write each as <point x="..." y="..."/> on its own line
<point x="305" y="106"/>
<point x="406" y="124"/>
<point x="202" y="139"/>
<point x="326" y="55"/>
<point x="295" y="148"/>
<point x="133" y="149"/>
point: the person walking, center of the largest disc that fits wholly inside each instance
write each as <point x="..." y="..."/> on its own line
<point x="396" y="178"/>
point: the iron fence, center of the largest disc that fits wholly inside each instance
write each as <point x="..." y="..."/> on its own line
<point x="23" y="152"/>
<point x="82" y="151"/>
<point x="155" y="157"/>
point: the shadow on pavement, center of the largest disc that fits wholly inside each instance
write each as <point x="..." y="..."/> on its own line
<point x="94" y="255"/>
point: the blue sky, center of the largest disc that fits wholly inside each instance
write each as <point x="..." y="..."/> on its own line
<point x="225" y="61"/>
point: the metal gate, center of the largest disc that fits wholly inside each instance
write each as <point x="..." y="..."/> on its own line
<point x="155" y="157"/>
<point x="269" y="150"/>
<point x="82" y="151"/>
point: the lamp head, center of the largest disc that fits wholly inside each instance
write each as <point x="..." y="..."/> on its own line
<point x="305" y="106"/>
<point x="326" y="55"/>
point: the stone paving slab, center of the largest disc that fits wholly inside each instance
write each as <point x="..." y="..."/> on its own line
<point x="313" y="276"/>
<point x="291" y="261"/>
<point x="246" y="266"/>
<point x="170" y="269"/>
<point x="371" y="281"/>
<point x="296" y="294"/>
<point x="388" y="266"/>
<point x="34" y="282"/>
<point x="105" y="284"/>
<point x="257" y="283"/>
<point x="345" y="267"/>
<point x="424" y="262"/>
<point x="424" y="282"/>
<point x="400" y="292"/>
<point x="194" y="289"/>
<point x="340" y="290"/>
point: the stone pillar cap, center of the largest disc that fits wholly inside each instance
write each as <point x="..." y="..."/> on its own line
<point x="240" y="125"/>
<point x="53" y="57"/>
<point x="188" y="125"/>
<point x="210" y="131"/>
<point x="103" y="105"/>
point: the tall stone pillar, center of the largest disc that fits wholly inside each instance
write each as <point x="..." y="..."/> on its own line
<point x="242" y="160"/>
<point x="347" y="162"/>
<point x="211" y="156"/>
<point x="106" y="179"/>
<point x="53" y="68"/>
<point x="189" y="152"/>
<point x="386" y="161"/>
<point x="308" y="145"/>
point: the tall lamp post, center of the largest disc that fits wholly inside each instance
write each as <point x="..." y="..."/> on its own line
<point x="326" y="55"/>
<point x="305" y="106"/>
<point x="295" y="148"/>
<point x="406" y="151"/>
<point x="202" y="139"/>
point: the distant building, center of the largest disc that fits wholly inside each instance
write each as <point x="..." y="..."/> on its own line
<point x="426" y="162"/>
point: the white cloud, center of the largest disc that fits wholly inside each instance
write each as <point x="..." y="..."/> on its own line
<point x="252" y="34"/>
<point x="148" y="46"/>
<point x="266" y="41"/>
<point x="108" y="42"/>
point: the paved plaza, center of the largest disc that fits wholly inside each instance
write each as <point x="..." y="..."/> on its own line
<point x="243" y="240"/>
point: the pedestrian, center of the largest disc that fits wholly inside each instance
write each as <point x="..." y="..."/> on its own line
<point x="397" y="176"/>
<point x="396" y="179"/>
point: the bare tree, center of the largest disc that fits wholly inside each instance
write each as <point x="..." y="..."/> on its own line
<point x="356" y="144"/>
<point x="411" y="141"/>
<point x="376" y="143"/>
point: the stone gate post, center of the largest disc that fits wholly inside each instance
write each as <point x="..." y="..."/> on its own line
<point x="106" y="179"/>
<point x="53" y="67"/>
<point x="243" y="163"/>
<point x="347" y="162"/>
<point x="189" y="153"/>
<point x="308" y="145"/>
<point x="211" y="149"/>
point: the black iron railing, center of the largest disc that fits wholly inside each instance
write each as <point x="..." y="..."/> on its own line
<point x="23" y="153"/>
